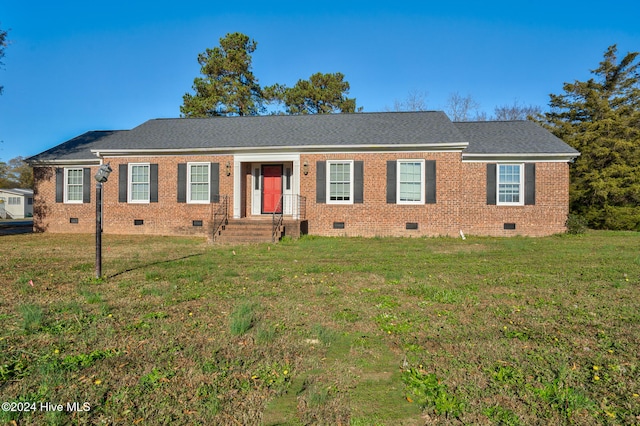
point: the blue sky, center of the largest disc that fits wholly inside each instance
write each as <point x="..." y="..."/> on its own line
<point x="75" y="66"/>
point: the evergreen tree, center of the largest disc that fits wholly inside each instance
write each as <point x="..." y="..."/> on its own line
<point x="321" y="94"/>
<point x="601" y="118"/>
<point x="228" y="86"/>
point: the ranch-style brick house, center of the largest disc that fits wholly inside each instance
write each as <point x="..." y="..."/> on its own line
<point x="365" y="174"/>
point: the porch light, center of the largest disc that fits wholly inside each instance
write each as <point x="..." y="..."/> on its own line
<point x="228" y="168"/>
<point x="102" y="175"/>
<point x="305" y="168"/>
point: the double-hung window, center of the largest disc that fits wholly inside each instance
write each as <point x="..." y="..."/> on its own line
<point x="510" y="184"/>
<point x="198" y="187"/>
<point x="73" y="185"/>
<point x="139" y="183"/>
<point x="340" y="182"/>
<point x="411" y="179"/>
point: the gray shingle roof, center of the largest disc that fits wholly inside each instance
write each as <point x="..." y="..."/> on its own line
<point x="431" y="128"/>
<point x="511" y="137"/>
<point x="76" y="149"/>
<point x="285" y="131"/>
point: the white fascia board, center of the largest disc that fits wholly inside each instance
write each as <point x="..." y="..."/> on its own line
<point x="61" y="163"/>
<point x="537" y="158"/>
<point x="437" y="147"/>
<point x="266" y="158"/>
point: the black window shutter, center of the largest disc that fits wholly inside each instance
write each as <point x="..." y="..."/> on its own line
<point x="59" y="185"/>
<point x="182" y="182"/>
<point x="358" y="182"/>
<point x="215" y="183"/>
<point x="153" y="183"/>
<point x="391" y="182"/>
<point x="123" y="170"/>
<point x="430" y="184"/>
<point x="491" y="184"/>
<point x="86" y="185"/>
<point x="530" y="184"/>
<point x="321" y="182"/>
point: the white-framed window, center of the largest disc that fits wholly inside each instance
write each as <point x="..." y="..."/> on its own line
<point x="510" y="181"/>
<point x="340" y="182"/>
<point x="73" y="179"/>
<point x="198" y="187"/>
<point x="410" y="182"/>
<point x="139" y="183"/>
<point x="14" y="201"/>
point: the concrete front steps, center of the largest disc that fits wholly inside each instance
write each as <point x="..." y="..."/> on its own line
<point x="240" y="231"/>
<point x="258" y="230"/>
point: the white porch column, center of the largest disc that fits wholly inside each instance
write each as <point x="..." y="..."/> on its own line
<point x="237" y="187"/>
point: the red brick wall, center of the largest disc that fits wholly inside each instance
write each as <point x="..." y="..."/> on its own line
<point x="49" y="216"/>
<point x="461" y="202"/>
<point x="546" y="217"/>
<point x="374" y="217"/>
<point x="166" y="217"/>
<point x="460" y="193"/>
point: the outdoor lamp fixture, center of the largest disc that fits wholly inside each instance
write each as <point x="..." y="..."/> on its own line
<point x="102" y="175"/>
<point x="228" y="168"/>
<point x="305" y="168"/>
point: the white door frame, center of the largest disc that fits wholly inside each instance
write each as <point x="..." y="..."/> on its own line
<point x="257" y="160"/>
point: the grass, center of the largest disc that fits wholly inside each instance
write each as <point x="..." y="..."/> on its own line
<point x="242" y="318"/>
<point x="354" y="331"/>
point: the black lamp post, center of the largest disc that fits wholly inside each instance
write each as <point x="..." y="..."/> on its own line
<point x="101" y="176"/>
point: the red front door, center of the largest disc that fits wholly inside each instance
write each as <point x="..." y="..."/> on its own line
<point x="271" y="188"/>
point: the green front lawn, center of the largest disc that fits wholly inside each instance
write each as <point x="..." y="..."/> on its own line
<point x="347" y="331"/>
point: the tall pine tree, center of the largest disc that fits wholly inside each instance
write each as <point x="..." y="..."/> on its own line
<point x="601" y="118"/>
<point x="228" y="86"/>
<point x="321" y="94"/>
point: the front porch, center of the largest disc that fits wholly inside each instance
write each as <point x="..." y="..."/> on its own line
<point x="266" y="203"/>
<point x="264" y="185"/>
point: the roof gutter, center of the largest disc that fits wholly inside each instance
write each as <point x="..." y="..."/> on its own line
<point x="548" y="157"/>
<point x="83" y="162"/>
<point x="445" y="146"/>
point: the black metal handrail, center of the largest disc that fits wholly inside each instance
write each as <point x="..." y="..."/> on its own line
<point x="289" y="205"/>
<point x="277" y="218"/>
<point x="302" y="207"/>
<point x="221" y="215"/>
